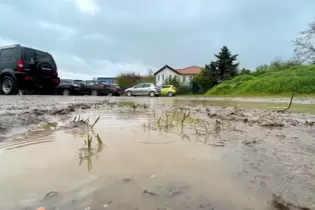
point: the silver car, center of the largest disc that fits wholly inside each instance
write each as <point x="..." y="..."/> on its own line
<point x="143" y="89"/>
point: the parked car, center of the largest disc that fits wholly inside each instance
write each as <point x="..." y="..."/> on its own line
<point x="144" y="89"/>
<point x="72" y="87"/>
<point x="100" y="88"/>
<point x="24" y="68"/>
<point x="168" y="90"/>
<point x="115" y="89"/>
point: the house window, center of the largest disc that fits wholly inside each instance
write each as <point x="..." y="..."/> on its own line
<point x="158" y="77"/>
<point x="191" y="77"/>
<point x="184" y="78"/>
<point x="163" y="77"/>
<point x="170" y="77"/>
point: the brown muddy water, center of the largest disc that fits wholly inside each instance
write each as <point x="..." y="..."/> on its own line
<point x="144" y="165"/>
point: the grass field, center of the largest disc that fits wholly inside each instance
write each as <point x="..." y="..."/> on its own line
<point x="299" y="79"/>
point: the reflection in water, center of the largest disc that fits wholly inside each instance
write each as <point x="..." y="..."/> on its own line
<point x="86" y="154"/>
<point x="31" y="138"/>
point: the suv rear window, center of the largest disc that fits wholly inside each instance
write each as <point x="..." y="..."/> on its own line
<point x="29" y="55"/>
<point x="10" y="55"/>
<point x="38" y="55"/>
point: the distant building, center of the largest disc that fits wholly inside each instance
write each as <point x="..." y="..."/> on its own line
<point x="107" y="80"/>
<point x="185" y="75"/>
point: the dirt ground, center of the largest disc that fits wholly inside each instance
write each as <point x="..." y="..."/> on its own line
<point x="158" y="153"/>
<point x="297" y="99"/>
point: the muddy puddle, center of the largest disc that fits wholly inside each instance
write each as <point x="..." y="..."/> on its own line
<point x="150" y="160"/>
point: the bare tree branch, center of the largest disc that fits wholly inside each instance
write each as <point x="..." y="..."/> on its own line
<point x="304" y="45"/>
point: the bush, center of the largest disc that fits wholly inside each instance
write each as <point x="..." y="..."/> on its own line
<point x="175" y="81"/>
<point x="184" y="89"/>
<point x="128" y="79"/>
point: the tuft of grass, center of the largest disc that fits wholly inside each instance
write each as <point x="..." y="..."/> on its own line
<point x="219" y="124"/>
<point x="50" y="125"/>
<point x="99" y="140"/>
<point x="88" y="142"/>
<point x="90" y="134"/>
<point x="145" y="106"/>
<point x="185" y="115"/>
<point x="97" y="119"/>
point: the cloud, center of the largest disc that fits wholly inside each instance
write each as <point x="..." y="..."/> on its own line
<point x="63" y="32"/>
<point x="64" y="74"/>
<point x="105" y="37"/>
<point x="79" y="60"/>
<point x="4" y="42"/>
<point x="78" y="68"/>
<point x="87" y="6"/>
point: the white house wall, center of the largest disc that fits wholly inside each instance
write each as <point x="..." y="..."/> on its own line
<point x="166" y="73"/>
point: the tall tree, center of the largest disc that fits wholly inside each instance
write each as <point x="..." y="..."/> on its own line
<point x="225" y="67"/>
<point x="304" y="45"/>
<point x="226" y="63"/>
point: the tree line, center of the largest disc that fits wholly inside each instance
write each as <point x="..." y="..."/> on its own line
<point x="226" y="66"/>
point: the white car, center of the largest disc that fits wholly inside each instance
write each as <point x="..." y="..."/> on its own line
<point x="144" y="89"/>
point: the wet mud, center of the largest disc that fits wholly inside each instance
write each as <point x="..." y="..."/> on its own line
<point x="20" y="114"/>
<point x="159" y="156"/>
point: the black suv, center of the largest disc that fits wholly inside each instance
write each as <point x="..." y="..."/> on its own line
<point x="72" y="87"/>
<point x="23" y="68"/>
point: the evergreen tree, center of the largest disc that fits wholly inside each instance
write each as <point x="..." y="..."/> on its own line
<point x="225" y="67"/>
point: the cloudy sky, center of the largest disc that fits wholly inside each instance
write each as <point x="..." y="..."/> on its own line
<point x="105" y="37"/>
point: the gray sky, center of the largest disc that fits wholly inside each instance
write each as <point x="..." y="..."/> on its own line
<point x="105" y="37"/>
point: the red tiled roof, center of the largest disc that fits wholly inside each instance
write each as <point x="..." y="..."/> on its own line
<point x="185" y="71"/>
<point x="189" y="70"/>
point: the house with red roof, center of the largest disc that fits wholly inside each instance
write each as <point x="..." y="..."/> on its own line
<point x="185" y="75"/>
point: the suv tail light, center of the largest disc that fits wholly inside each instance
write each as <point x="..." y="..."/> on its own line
<point x="102" y="86"/>
<point x="20" y="66"/>
<point x="114" y="89"/>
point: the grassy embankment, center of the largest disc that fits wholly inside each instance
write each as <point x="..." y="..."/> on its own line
<point x="299" y="79"/>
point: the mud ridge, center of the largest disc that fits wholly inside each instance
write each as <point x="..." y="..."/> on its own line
<point x="264" y="118"/>
<point x="24" y="120"/>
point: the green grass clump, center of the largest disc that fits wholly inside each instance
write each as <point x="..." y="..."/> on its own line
<point x="298" y="79"/>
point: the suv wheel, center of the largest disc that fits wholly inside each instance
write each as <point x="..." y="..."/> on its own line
<point x="66" y="92"/>
<point x="94" y="93"/>
<point x="152" y="94"/>
<point x="170" y="94"/>
<point x="129" y="93"/>
<point x="8" y="86"/>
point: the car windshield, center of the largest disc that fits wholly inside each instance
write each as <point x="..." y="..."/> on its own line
<point x="63" y="81"/>
<point x="78" y="82"/>
<point x="114" y="86"/>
